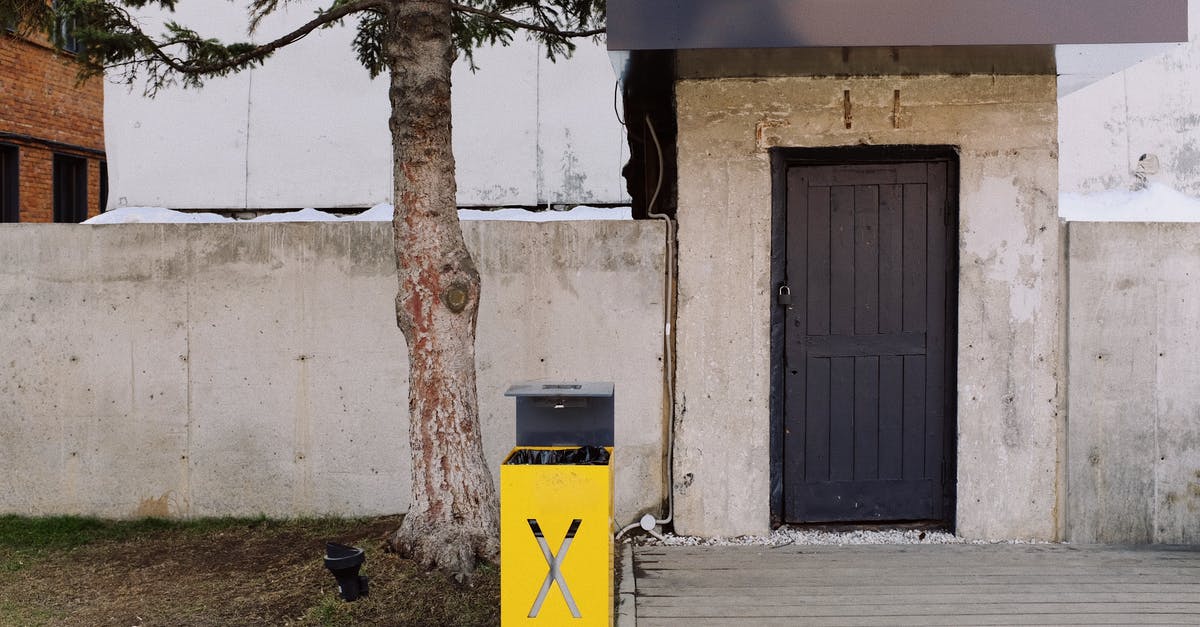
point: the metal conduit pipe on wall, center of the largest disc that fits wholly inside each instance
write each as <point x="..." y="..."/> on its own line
<point x="649" y="522"/>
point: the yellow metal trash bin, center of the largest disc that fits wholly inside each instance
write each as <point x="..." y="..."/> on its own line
<point x="556" y="513"/>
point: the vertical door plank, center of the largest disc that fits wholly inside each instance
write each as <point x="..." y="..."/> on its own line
<point x="915" y="302"/>
<point x="891" y="320"/>
<point x="816" y="423"/>
<point x="841" y="419"/>
<point x="797" y="249"/>
<point x="817" y="260"/>
<point x="866" y="259"/>
<point x="891" y="416"/>
<point x="914" y="257"/>
<point x="866" y="418"/>
<point x="914" y="417"/>
<point x="891" y="258"/>
<point x="841" y="253"/>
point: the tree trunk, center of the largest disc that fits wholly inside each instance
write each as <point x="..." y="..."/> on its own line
<point x="453" y="518"/>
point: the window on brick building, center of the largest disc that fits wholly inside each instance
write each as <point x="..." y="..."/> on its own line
<point x="70" y="189"/>
<point x="10" y="208"/>
<point x="66" y="40"/>
<point x="63" y="36"/>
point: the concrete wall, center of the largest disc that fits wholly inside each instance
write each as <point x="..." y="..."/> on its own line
<point x="1149" y="108"/>
<point x="309" y="127"/>
<point x="1134" y="363"/>
<point x="202" y="370"/>
<point x="1011" y="353"/>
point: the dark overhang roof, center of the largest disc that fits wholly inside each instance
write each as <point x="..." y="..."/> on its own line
<point x="696" y="24"/>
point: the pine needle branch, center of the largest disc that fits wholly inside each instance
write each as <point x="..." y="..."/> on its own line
<point x="547" y="27"/>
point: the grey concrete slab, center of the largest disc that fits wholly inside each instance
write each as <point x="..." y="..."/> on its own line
<point x="242" y="369"/>
<point x="1134" y="432"/>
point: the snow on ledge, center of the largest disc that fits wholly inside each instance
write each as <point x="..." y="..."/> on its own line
<point x="154" y="215"/>
<point x="1156" y="203"/>
<point x="378" y="213"/>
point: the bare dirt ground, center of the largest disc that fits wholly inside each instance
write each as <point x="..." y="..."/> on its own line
<point x="257" y="572"/>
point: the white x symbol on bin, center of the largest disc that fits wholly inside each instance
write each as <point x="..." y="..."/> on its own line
<point x="554" y="575"/>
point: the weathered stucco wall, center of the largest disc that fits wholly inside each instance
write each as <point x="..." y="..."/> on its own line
<point x="1010" y="403"/>
<point x="203" y="370"/>
<point x="1134" y="363"/>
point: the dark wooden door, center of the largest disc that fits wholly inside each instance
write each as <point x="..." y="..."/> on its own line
<point x="866" y="376"/>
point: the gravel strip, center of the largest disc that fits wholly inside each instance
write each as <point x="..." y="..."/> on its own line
<point x="785" y="536"/>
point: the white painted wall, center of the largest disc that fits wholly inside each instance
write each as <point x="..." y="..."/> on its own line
<point x="309" y="128"/>
<point x="1151" y="108"/>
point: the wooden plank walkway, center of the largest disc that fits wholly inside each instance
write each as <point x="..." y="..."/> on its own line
<point x="917" y="585"/>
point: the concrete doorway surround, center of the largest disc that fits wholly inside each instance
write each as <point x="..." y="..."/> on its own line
<point x="863" y="351"/>
<point x="1009" y="396"/>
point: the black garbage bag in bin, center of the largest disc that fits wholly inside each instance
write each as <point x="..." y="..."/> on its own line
<point x="582" y="456"/>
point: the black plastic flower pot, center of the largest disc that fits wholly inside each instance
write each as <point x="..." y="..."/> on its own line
<point x="344" y="561"/>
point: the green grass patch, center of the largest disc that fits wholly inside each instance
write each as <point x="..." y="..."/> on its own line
<point x="24" y="534"/>
<point x="331" y="612"/>
<point x="14" y="614"/>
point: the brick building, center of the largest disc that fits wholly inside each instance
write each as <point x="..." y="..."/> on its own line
<point x="52" y="164"/>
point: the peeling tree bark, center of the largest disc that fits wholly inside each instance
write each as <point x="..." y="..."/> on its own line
<point x="453" y="519"/>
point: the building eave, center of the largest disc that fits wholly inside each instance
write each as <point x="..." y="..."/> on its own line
<point x="700" y="24"/>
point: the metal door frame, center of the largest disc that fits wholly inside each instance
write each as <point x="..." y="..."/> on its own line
<point x="782" y="159"/>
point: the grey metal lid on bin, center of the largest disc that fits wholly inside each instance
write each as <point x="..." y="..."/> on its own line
<point x="564" y="413"/>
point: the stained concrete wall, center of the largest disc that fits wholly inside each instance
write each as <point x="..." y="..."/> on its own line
<point x="1011" y="290"/>
<point x="1134" y="365"/>
<point x="1149" y="108"/>
<point x="203" y="370"/>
